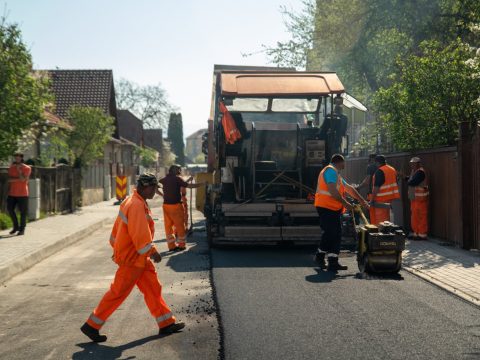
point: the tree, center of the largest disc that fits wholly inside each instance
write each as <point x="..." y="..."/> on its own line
<point x="23" y="95"/>
<point x="148" y="157"/>
<point x="362" y="39"/>
<point x="149" y="103"/>
<point x="432" y="92"/>
<point x="92" y="130"/>
<point x="175" y="136"/>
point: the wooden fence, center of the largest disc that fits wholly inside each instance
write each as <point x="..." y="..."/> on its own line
<point x="58" y="188"/>
<point x="442" y="168"/>
<point x="454" y="176"/>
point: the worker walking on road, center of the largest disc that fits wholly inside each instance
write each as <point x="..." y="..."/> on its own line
<point x="418" y="193"/>
<point x="384" y="191"/>
<point x="173" y="209"/>
<point x="330" y="202"/>
<point x="133" y="251"/>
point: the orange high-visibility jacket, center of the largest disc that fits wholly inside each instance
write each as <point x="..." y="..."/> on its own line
<point x="323" y="198"/>
<point x="232" y="134"/>
<point x="421" y="191"/>
<point x="132" y="233"/>
<point x="389" y="190"/>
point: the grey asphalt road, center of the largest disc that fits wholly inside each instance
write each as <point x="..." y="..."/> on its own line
<point x="42" y="309"/>
<point x="274" y="304"/>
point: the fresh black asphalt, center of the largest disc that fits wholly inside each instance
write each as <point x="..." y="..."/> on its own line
<point x="275" y="304"/>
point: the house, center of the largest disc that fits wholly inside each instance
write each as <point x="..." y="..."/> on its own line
<point x="193" y="146"/>
<point x="92" y="88"/>
<point x="153" y="138"/>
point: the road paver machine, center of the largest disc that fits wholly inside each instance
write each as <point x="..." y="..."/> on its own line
<point x="271" y="131"/>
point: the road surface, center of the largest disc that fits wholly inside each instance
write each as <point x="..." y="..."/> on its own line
<point x="43" y="308"/>
<point x="275" y="305"/>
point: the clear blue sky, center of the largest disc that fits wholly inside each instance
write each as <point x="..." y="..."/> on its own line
<point x="175" y="43"/>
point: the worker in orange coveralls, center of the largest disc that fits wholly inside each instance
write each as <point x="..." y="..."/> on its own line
<point x="418" y="193"/>
<point x="173" y="209"/>
<point x="133" y="251"/>
<point x="384" y="191"/>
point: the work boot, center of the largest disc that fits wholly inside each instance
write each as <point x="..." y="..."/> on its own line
<point x="319" y="259"/>
<point x="21" y="232"/>
<point x="13" y="231"/>
<point x="93" y="333"/>
<point x="170" y="329"/>
<point x="333" y="264"/>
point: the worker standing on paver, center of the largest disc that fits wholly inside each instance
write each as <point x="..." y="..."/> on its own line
<point x="418" y="193"/>
<point x="330" y="202"/>
<point x="133" y="251"/>
<point x="173" y="209"/>
<point x="18" y="175"/>
<point x="384" y="191"/>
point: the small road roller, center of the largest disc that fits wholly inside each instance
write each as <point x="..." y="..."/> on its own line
<point x="379" y="247"/>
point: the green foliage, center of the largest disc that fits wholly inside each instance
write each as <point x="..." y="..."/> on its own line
<point x="5" y="221"/>
<point x="148" y="157"/>
<point x="411" y="60"/>
<point x="431" y="94"/>
<point x="294" y="52"/>
<point x="199" y="159"/>
<point x="175" y="136"/>
<point x="92" y="131"/>
<point x="54" y="147"/>
<point x="23" y="95"/>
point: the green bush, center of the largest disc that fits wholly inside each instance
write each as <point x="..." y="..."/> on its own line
<point x="5" y="221"/>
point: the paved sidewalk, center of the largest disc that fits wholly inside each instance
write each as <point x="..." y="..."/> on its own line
<point x="47" y="236"/>
<point x="453" y="269"/>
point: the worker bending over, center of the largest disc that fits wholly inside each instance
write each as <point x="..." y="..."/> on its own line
<point x="330" y="202"/>
<point x="133" y="251"/>
<point x="173" y="209"/>
<point x="418" y="193"/>
<point x="384" y="191"/>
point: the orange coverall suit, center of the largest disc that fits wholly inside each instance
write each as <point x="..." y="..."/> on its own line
<point x="132" y="242"/>
<point x="387" y="192"/>
<point x="418" y="196"/>
<point x="174" y="211"/>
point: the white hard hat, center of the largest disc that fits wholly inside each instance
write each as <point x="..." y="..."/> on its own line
<point x="415" y="160"/>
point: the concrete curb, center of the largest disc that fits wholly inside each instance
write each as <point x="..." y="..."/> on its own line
<point x="31" y="259"/>
<point x="473" y="300"/>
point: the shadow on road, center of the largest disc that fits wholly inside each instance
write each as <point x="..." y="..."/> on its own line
<point x="92" y="350"/>
<point x="323" y="276"/>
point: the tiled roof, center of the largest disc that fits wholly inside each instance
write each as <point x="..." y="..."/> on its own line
<point x="130" y="127"/>
<point x="153" y="138"/>
<point x="54" y="120"/>
<point x="92" y="88"/>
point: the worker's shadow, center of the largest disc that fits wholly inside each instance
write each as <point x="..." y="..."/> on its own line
<point x="91" y="350"/>
<point x="323" y="276"/>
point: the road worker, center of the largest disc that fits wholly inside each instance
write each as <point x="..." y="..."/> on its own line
<point x="18" y="176"/>
<point x="173" y="209"/>
<point x="330" y="202"/>
<point x="133" y="251"/>
<point x="418" y="193"/>
<point x="384" y="191"/>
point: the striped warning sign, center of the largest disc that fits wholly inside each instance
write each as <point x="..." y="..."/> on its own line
<point x="121" y="188"/>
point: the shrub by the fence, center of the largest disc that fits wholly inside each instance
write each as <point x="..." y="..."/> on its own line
<point x="5" y="221"/>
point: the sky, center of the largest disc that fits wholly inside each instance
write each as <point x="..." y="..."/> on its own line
<point x="175" y="43"/>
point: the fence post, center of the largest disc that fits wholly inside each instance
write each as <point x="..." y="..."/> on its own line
<point x="34" y="199"/>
